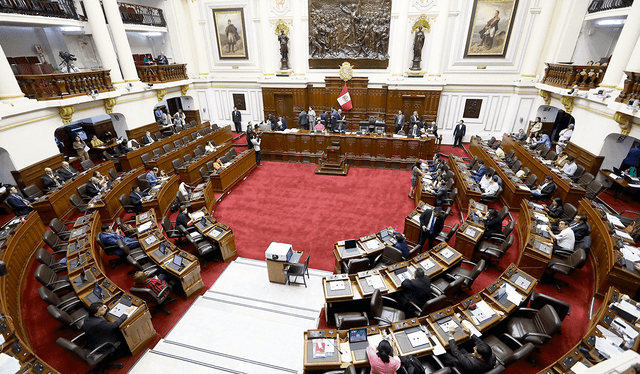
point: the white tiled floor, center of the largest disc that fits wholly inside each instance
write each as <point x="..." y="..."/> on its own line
<point x="243" y="324"/>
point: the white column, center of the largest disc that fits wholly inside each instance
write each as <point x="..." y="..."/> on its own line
<point x="102" y="41"/>
<point x="633" y="65"/>
<point x="198" y="38"/>
<point x="536" y="40"/>
<point x="121" y="42"/>
<point x="438" y="36"/>
<point x="297" y="49"/>
<point x="398" y="56"/>
<point x="266" y="32"/>
<point x="626" y="43"/>
<point x="9" y="89"/>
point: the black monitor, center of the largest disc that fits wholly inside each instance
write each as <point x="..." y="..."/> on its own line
<point x="349" y="244"/>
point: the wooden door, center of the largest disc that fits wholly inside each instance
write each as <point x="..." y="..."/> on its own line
<point x="410" y="105"/>
<point x="284" y="107"/>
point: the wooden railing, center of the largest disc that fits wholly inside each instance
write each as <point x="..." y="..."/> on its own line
<point x="631" y="88"/>
<point x="63" y="85"/>
<point x="141" y="15"/>
<point x="600" y="5"/>
<point x="46" y="8"/>
<point x="566" y="76"/>
<point x="162" y="73"/>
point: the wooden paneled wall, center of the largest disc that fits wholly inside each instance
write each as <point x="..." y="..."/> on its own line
<point x="379" y="102"/>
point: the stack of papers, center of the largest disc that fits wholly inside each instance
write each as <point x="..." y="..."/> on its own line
<point x="323" y="348"/>
<point x="427" y="264"/>
<point x="614" y="220"/>
<point x="625" y="330"/>
<point x="197" y="215"/>
<point x="403" y="276"/>
<point x="336" y="285"/>
<point x="416" y="218"/>
<point x="482" y="312"/>
<point x="446" y="253"/>
<point x="541" y="217"/>
<point x="145" y="226"/>
<point x="8" y="364"/>
<point x="418" y="338"/>
<point x="375" y="281"/>
<point x="623" y="235"/>
<point x="631" y="254"/>
<point x="470" y="326"/>
<point x="513" y="296"/>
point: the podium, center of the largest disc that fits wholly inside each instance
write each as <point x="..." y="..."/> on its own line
<point x="332" y="161"/>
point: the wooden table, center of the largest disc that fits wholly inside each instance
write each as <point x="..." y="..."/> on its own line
<point x="218" y="233"/>
<point x="228" y="176"/>
<point x="467" y="237"/>
<point x="467" y="187"/>
<point x="535" y="250"/>
<point x="107" y="203"/>
<point x="190" y="173"/>
<point x="275" y="269"/>
<point x="162" y="196"/>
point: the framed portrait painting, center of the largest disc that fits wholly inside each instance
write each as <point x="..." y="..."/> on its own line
<point x="490" y="28"/>
<point x="231" y="34"/>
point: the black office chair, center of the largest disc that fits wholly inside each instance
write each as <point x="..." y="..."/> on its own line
<point x="202" y="245"/>
<point x="436" y="302"/>
<point x="513" y="160"/>
<point x="538" y="300"/>
<point x="550" y="156"/>
<point x="170" y="231"/>
<point x="451" y="197"/>
<point x="492" y="252"/>
<point x="197" y="153"/>
<point x="507" y="349"/>
<point x="146" y="159"/>
<point x="188" y="159"/>
<point x="157" y="153"/>
<point x="159" y="135"/>
<point x="354" y="265"/>
<point x="585" y="179"/>
<point x="33" y="191"/>
<point x="152" y="299"/>
<point x="126" y="204"/>
<point x="593" y="189"/>
<point x="143" y="183"/>
<point x="186" y="140"/>
<point x="67" y="302"/>
<point x="136" y="254"/>
<point x="113" y="174"/>
<point x="82" y="192"/>
<point x="77" y="203"/>
<point x="531" y="180"/>
<point x="472" y="163"/>
<point x="177" y="144"/>
<point x="516" y="166"/>
<point x="297" y="270"/>
<point x="109" y="250"/>
<point x="491" y="198"/>
<point x="108" y="157"/>
<point x="570" y="212"/>
<point x="87" y="165"/>
<point x="73" y="319"/>
<point x="91" y="358"/>
<point x="446" y="236"/>
<point x="389" y="256"/>
<point x="59" y="228"/>
<point x="574" y="261"/>
<point x="468" y="275"/>
<point x="177" y="164"/>
<point x="348" y="320"/>
<point x="45" y="257"/>
<point x="184" y="200"/>
<point x="149" y="267"/>
<point x="204" y="174"/>
<point x="54" y="242"/>
<point x="578" y="174"/>
<point x="534" y="326"/>
<point x="167" y="148"/>
<point x="128" y="230"/>
<point x="499" y="238"/>
<point x="449" y="289"/>
<point x="382" y="315"/>
<point x="50" y="279"/>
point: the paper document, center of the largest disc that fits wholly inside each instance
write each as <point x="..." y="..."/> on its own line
<point x="607" y="348"/>
<point x="374" y="340"/>
<point x="629" y="254"/>
<point x="145" y="226"/>
<point x="403" y="276"/>
<point x="197" y="215"/>
<point x="615" y="220"/>
<point x="372" y="244"/>
<point x="418" y="338"/>
<point x="323" y="348"/>
<point x="375" y="281"/>
<point x="438" y="349"/>
<point x="8" y="364"/>
<point x="513" y="296"/>
<point x="483" y="311"/>
<point x="337" y="285"/>
<point x="427" y="264"/>
<point x="629" y="308"/>
<point x="119" y="309"/>
<point x="579" y="367"/>
<point x="524" y="187"/>
<point x="416" y="218"/>
<point x="150" y="240"/>
<point x="345" y="349"/>
<point x="624" y="235"/>
<point x="470" y="231"/>
<point x="470" y="326"/>
<point x="613" y="338"/>
<point x="540" y="217"/>
<point x="446" y="253"/>
<point x="542" y="227"/>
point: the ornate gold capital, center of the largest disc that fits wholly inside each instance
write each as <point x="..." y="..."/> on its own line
<point x="422" y="21"/>
<point x="546" y="96"/>
<point x="183" y="89"/>
<point x="66" y="113"/>
<point x="346" y="71"/>
<point x="567" y="101"/>
<point x="624" y="121"/>
<point x="282" y="25"/>
<point x="160" y="94"/>
<point x="109" y="104"/>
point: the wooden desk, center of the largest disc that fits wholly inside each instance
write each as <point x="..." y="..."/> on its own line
<point x="424" y="195"/>
<point x="412" y="224"/>
<point x="227" y="177"/>
<point x="56" y="203"/>
<point x="190" y="173"/>
<point x="467" y="187"/>
<point x="162" y="196"/>
<point x="360" y="150"/>
<point x="567" y="190"/>
<point x="108" y="203"/>
<point x="31" y="174"/>
<point x="275" y="269"/>
<point x="513" y="192"/>
<point x="203" y="197"/>
<point x="535" y="250"/>
<point x="467" y="237"/>
<point x="218" y="233"/>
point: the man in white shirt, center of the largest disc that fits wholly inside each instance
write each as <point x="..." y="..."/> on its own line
<point x="485" y="181"/>
<point x="492" y="188"/>
<point x="569" y="169"/>
<point x="565" y="240"/>
<point x="565" y="136"/>
<point x="500" y="153"/>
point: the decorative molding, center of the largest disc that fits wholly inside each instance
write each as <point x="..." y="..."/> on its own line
<point x="109" y="104"/>
<point x="66" y="113"/>
<point x="280" y="7"/>
<point x="567" y="101"/>
<point x="423" y="5"/>
<point x="346" y="71"/>
<point x="422" y="21"/>
<point x="183" y="89"/>
<point x="160" y="94"/>
<point x="546" y="96"/>
<point x="624" y="121"/>
<point x="279" y="21"/>
<point x="282" y="25"/>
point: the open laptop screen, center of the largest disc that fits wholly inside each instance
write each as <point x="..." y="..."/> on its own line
<point x="357" y="335"/>
<point x="349" y="244"/>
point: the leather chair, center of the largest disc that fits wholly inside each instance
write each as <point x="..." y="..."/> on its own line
<point x="449" y="289"/>
<point x="146" y="159"/>
<point x="128" y="230"/>
<point x="54" y="242"/>
<point x="539" y="300"/>
<point x="525" y="171"/>
<point x="152" y="299"/>
<point x="126" y="204"/>
<point x="184" y="200"/>
<point x="77" y="203"/>
<point x="545" y="197"/>
<point x="210" y="168"/>
<point x="578" y="174"/>
<point x="446" y="236"/>
<point x="556" y="265"/>
<point x="550" y="156"/>
<point x="206" y="131"/>
<point x="593" y="189"/>
<point x="494" y="252"/>
<point x="513" y="160"/>
<point x="468" y="275"/>
<point x="113" y="174"/>
<point x="354" y="265"/>
<point x="177" y="144"/>
<point x="177" y="164"/>
<point x="87" y="164"/>
<point x="510" y="153"/>
<point x="137" y="254"/>
<point x="159" y="136"/>
<point x="167" y="148"/>
<point x="91" y="358"/>
<point x="50" y="279"/>
<point x="436" y="302"/>
<point x="297" y="270"/>
<point x="186" y="140"/>
<point x="75" y="319"/>
<point x="472" y="162"/>
<point x="570" y="212"/>
<point x="585" y="179"/>
<point x="143" y="183"/>
<point x="233" y="152"/>
<point x="59" y="229"/>
<point x="169" y="231"/>
<point x="499" y="238"/>
<point x="491" y="198"/>
<point x="414" y="251"/>
<point x="347" y="320"/>
<point x="82" y="192"/>
<point x="33" y="191"/>
<point x="491" y="141"/>
<point x="108" y="157"/>
<point x="188" y="159"/>
<point x="149" y="267"/>
<point x="383" y="315"/>
<point x="516" y="166"/>
<point x="202" y="245"/>
<point x="197" y="153"/>
<point x="194" y="136"/>
<point x="451" y="197"/>
<point x="204" y="174"/>
<point x="45" y="257"/>
<point x="531" y="180"/>
<point x="585" y="244"/>
<point x="507" y="349"/>
<point x="389" y="256"/>
<point x="534" y="326"/>
<point x="109" y="251"/>
<point x="67" y="302"/>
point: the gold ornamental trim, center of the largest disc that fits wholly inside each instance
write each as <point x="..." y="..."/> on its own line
<point x="546" y="96"/>
<point x="422" y="21"/>
<point x="281" y="25"/>
<point x="567" y="101"/>
<point x="183" y="89"/>
<point x="346" y="71"/>
<point x="109" y="104"/>
<point x="160" y="94"/>
<point x="624" y="121"/>
<point x="66" y="113"/>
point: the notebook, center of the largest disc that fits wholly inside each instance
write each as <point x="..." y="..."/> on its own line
<point x="358" y="343"/>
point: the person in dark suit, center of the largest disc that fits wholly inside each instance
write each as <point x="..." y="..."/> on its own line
<point x="281" y="124"/>
<point x="335" y="117"/>
<point x="416" y="290"/>
<point x="236" y="117"/>
<point x="249" y="135"/>
<point x="271" y="117"/>
<point x="492" y="224"/>
<point x="415" y="120"/>
<point x="110" y="238"/>
<point x="399" y="121"/>
<point x="544" y="189"/>
<point x="441" y="193"/>
<point x="480" y="361"/>
<point x="50" y="180"/>
<point x="579" y="227"/>
<point x="183" y="218"/>
<point x="431" y="223"/>
<point x="147" y="138"/>
<point x="434" y="129"/>
<point x="20" y="205"/>
<point x="93" y="187"/>
<point x="554" y="210"/>
<point x="414" y="132"/>
<point x="324" y="118"/>
<point x="135" y="198"/>
<point x="67" y="171"/>
<point x="478" y="174"/>
<point x="99" y="331"/>
<point x="303" y="120"/>
<point x="458" y="134"/>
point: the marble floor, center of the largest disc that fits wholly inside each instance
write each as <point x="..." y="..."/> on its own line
<point x="243" y="324"/>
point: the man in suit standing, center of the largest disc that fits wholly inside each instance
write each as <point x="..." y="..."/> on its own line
<point x="303" y="120"/>
<point x="236" y="117"/>
<point x="431" y="223"/>
<point x="334" y="119"/>
<point x="342" y="126"/>
<point x="20" y="205"/>
<point x="67" y="172"/>
<point x="99" y="331"/>
<point x="416" y="290"/>
<point x="544" y="189"/>
<point x="399" y="121"/>
<point x="50" y="180"/>
<point x="415" y="120"/>
<point x="324" y="118"/>
<point x="458" y="134"/>
<point x="93" y="188"/>
<point x="147" y="138"/>
<point x="135" y="198"/>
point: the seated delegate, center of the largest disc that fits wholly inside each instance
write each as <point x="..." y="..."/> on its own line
<point x="20" y="205"/>
<point x="67" y="171"/>
<point x="480" y="361"/>
<point x="381" y="359"/>
<point x="135" y="198"/>
<point x="544" y="189"/>
<point x="565" y="240"/>
<point x="51" y="180"/>
<point x="158" y="284"/>
<point x="110" y="238"/>
<point x="99" y="331"/>
<point x="416" y="290"/>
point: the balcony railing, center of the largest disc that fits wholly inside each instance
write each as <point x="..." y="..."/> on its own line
<point x="631" y="88"/>
<point x="141" y="15"/>
<point x="566" y="76"/>
<point x="64" y="85"/>
<point x="162" y="73"/>
<point x="600" y="5"/>
<point x="46" y="8"/>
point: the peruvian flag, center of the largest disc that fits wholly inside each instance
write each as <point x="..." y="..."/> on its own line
<point x="345" y="99"/>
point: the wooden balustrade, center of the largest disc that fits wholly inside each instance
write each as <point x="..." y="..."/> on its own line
<point x="600" y="5"/>
<point x="64" y="85"/>
<point x="141" y="15"/>
<point x="46" y="8"/>
<point x="566" y="76"/>
<point x="162" y="73"/>
<point x="631" y="88"/>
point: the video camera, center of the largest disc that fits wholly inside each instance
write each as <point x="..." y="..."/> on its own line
<point x="66" y="59"/>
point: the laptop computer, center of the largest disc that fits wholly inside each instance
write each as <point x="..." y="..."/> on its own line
<point x="161" y="251"/>
<point x="96" y="295"/>
<point x="358" y="343"/>
<point x="350" y="248"/>
<point x="176" y="264"/>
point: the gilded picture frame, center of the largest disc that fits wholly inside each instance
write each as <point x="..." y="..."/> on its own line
<point x="231" y="33"/>
<point x="490" y="28"/>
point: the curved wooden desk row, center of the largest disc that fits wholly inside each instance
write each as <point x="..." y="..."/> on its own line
<point x="467" y="187"/>
<point x="55" y="204"/>
<point x="610" y="320"/>
<point x="190" y="173"/>
<point x="366" y="246"/>
<point x="605" y="254"/>
<point x="107" y="202"/>
<point x="164" y="254"/>
<point x="233" y="173"/>
<point x="513" y="189"/>
<point x="517" y="280"/>
<point x="217" y="232"/>
<point x="567" y="190"/>
<point x="360" y="150"/>
<point x="162" y="195"/>
<point x="536" y="247"/>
